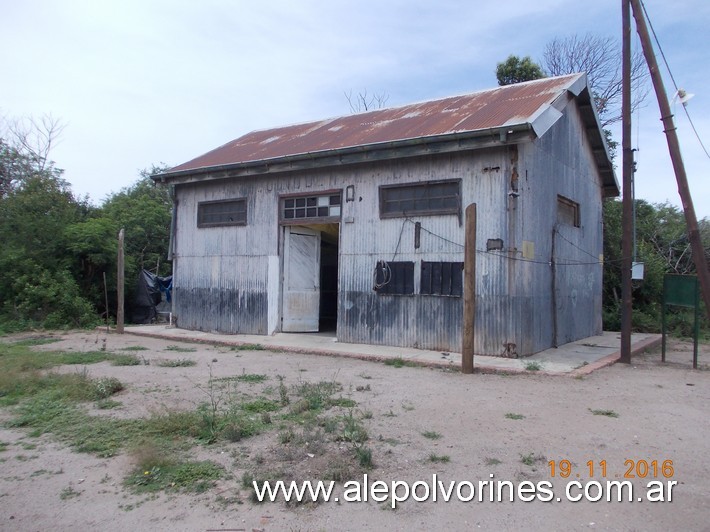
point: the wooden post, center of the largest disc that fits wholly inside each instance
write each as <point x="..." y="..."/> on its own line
<point x="627" y="205"/>
<point x="106" y="302"/>
<point x="120" y="284"/>
<point x="469" y="290"/>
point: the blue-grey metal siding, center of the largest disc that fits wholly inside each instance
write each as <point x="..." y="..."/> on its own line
<point x="228" y="278"/>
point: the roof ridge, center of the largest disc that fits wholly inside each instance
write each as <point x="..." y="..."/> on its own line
<point x="412" y="104"/>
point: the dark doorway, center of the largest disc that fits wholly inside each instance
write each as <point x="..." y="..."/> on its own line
<point x="328" y="282"/>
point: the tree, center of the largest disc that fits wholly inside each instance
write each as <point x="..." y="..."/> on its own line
<point x="365" y="102"/>
<point x="516" y="70"/>
<point x="36" y="282"/>
<point x="36" y="136"/>
<point x="24" y="148"/>
<point x="663" y="247"/>
<point x="600" y="58"/>
<point x="55" y="248"/>
<point x="144" y="211"/>
<point x="14" y="166"/>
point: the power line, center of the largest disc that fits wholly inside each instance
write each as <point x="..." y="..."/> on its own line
<point x="575" y="245"/>
<point x="558" y="262"/>
<point x="665" y="61"/>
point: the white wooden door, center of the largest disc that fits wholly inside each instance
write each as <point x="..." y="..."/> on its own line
<point x="301" y="292"/>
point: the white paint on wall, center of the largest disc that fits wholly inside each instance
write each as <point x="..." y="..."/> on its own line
<point x="273" y="293"/>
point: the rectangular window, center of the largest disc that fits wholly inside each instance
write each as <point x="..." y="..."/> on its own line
<point x="222" y="212"/>
<point x="567" y="211"/>
<point x="326" y="206"/>
<point x="442" y="278"/>
<point x="394" y="278"/>
<point x="422" y="199"/>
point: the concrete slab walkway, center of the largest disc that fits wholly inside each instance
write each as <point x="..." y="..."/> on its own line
<point x="576" y="358"/>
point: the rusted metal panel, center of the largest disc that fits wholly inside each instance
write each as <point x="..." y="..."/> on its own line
<point x="502" y="106"/>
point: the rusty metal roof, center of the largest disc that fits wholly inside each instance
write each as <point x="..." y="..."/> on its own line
<point x="501" y="107"/>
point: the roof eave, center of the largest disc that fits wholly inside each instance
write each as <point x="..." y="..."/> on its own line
<point x="493" y="137"/>
<point x="610" y="184"/>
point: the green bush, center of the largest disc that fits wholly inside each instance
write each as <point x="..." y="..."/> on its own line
<point x="44" y="298"/>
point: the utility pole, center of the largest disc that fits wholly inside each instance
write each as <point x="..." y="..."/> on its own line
<point x="701" y="264"/>
<point x="120" y="276"/>
<point x="627" y="200"/>
<point x="469" y="290"/>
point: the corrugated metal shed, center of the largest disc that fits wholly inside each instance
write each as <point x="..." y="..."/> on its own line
<point x="529" y="105"/>
<point x="513" y="150"/>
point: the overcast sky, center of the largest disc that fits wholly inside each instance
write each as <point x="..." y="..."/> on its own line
<point x="142" y="82"/>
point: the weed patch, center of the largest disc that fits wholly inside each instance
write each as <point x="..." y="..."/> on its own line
<point x="38" y="340"/>
<point x="511" y="415"/>
<point x="87" y="357"/>
<point x="533" y="366"/>
<point x="342" y="402"/>
<point x="178" y="349"/>
<point x="364" y="457"/>
<point x="261" y="405"/>
<point x="531" y="458"/>
<point x="178" y="363"/>
<point x="248" y="347"/>
<point x="607" y="413"/>
<point x="353" y="430"/>
<point x="49" y="413"/>
<point x="17" y="359"/>
<point x="108" y="404"/>
<point x="68" y="493"/>
<point x="399" y="362"/>
<point x="125" y="360"/>
<point x="251" y="378"/>
<point x="105" y="387"/>
<point x="315" y="396"/>
<point x="431" y="435"/>
<point x="164" y="474"/>
<point x="436" y="458"/>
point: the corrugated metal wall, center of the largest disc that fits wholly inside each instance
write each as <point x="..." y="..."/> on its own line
<point x="224" y="278"/>
<point x="561" y="162"/>
<point x="221" y="273"/>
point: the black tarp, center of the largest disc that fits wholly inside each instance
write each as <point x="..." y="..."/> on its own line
<point x="148" y="295"/>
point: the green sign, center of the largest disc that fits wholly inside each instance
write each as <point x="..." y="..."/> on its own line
<point x="680" y="290"/>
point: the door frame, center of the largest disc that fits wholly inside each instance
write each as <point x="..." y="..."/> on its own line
<point x="309" y="223"/>
<point x="308" y="298"/>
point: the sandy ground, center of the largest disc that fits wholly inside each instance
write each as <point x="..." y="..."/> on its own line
<point x="662" y="415"/>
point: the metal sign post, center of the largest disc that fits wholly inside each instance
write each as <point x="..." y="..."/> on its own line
<point x="681" y="291"/>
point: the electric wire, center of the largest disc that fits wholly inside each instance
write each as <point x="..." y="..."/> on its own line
<point x="383" y="266"/>
<point x="558" y="262"/>
<point x="665" y="61"/>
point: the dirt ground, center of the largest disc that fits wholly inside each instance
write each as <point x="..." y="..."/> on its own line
<point x="502" y="425"/>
